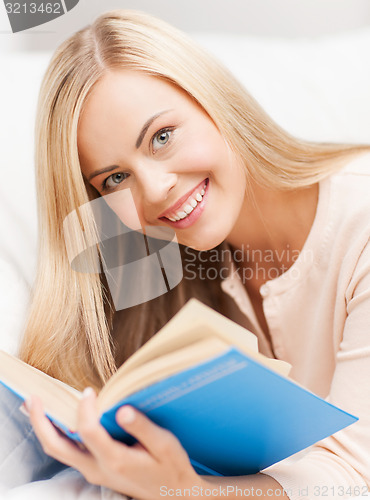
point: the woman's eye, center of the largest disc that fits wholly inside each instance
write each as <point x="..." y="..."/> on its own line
<point x="114" y="180"/>
<point x="161" y="138"/>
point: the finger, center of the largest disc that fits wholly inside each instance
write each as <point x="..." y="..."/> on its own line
<point x="159" y="442"/>
<point x="94" y="436"/>
<point x="53" y="443"/>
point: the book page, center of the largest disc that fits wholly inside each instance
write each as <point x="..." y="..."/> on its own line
<point x="194" y="322"/>
<point x="159" y="369"/>
<point x="59" y="399"/>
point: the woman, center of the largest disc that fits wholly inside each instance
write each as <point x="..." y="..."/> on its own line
<point x="129" y="102"/>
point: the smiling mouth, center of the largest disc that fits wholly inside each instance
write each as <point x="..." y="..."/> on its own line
<point x="190" y="210"/>
<point x="189" y="205"/>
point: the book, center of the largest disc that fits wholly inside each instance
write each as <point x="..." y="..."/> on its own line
<point x="234" y="410"/>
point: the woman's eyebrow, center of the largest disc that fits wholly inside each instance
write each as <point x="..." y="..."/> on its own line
<point x="138" y="143"/>
<point x="147" y="125"/>
<point x="102" y="171"/>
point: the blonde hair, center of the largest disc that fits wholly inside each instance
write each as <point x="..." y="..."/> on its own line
<point x="72" y="327"/>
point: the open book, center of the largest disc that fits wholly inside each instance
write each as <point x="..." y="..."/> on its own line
<point x="201" y="376"/>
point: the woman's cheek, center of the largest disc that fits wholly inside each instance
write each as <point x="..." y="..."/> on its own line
<point x="198" y="157"/>
<point x="123" y="204"/>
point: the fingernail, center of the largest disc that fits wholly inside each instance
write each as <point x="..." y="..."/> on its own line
<point x="24" y="410"/>
<point x="127" y="415"/>
<point x="28" y="404"/>
<point x="88" y="392"/>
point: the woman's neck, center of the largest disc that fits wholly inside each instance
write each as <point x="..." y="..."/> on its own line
<point x="274" y="221"/>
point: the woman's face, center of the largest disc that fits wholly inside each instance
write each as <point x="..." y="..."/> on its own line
<point x="141" y="136"/>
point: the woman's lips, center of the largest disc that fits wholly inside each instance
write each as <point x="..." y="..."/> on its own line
<point x="195" y="214"/>
<point x="182" y="201"/>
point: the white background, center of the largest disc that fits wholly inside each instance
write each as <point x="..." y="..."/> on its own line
<point x="287" y="18"/>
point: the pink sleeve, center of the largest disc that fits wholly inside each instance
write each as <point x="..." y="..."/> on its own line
<point x="339" y="466"/>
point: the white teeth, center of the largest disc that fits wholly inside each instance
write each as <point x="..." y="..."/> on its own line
<point x="193" y="202"/>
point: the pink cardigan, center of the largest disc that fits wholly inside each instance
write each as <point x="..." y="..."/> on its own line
<point x="318" y="313"/>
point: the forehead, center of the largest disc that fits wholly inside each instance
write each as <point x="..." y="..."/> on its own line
<point x="119" y="105"/>
<point x="130" y="94"/>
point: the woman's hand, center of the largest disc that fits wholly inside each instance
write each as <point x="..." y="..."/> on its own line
<point x="156" y="460"/>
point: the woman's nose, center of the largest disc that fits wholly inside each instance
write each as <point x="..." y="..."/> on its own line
<point x="155" y="186"/>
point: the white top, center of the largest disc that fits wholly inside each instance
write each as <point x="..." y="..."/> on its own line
<point x="318" y="314"/>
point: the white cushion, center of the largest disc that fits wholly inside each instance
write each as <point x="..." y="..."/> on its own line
<point x="316" y="89"/>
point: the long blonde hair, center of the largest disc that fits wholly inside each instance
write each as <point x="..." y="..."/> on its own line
<point x="73" y="332"/>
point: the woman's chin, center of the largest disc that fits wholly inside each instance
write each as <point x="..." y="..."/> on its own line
<point x="204" y="245"/>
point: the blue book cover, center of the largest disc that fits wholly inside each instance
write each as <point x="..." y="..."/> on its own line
<point x="233" y="415"/>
